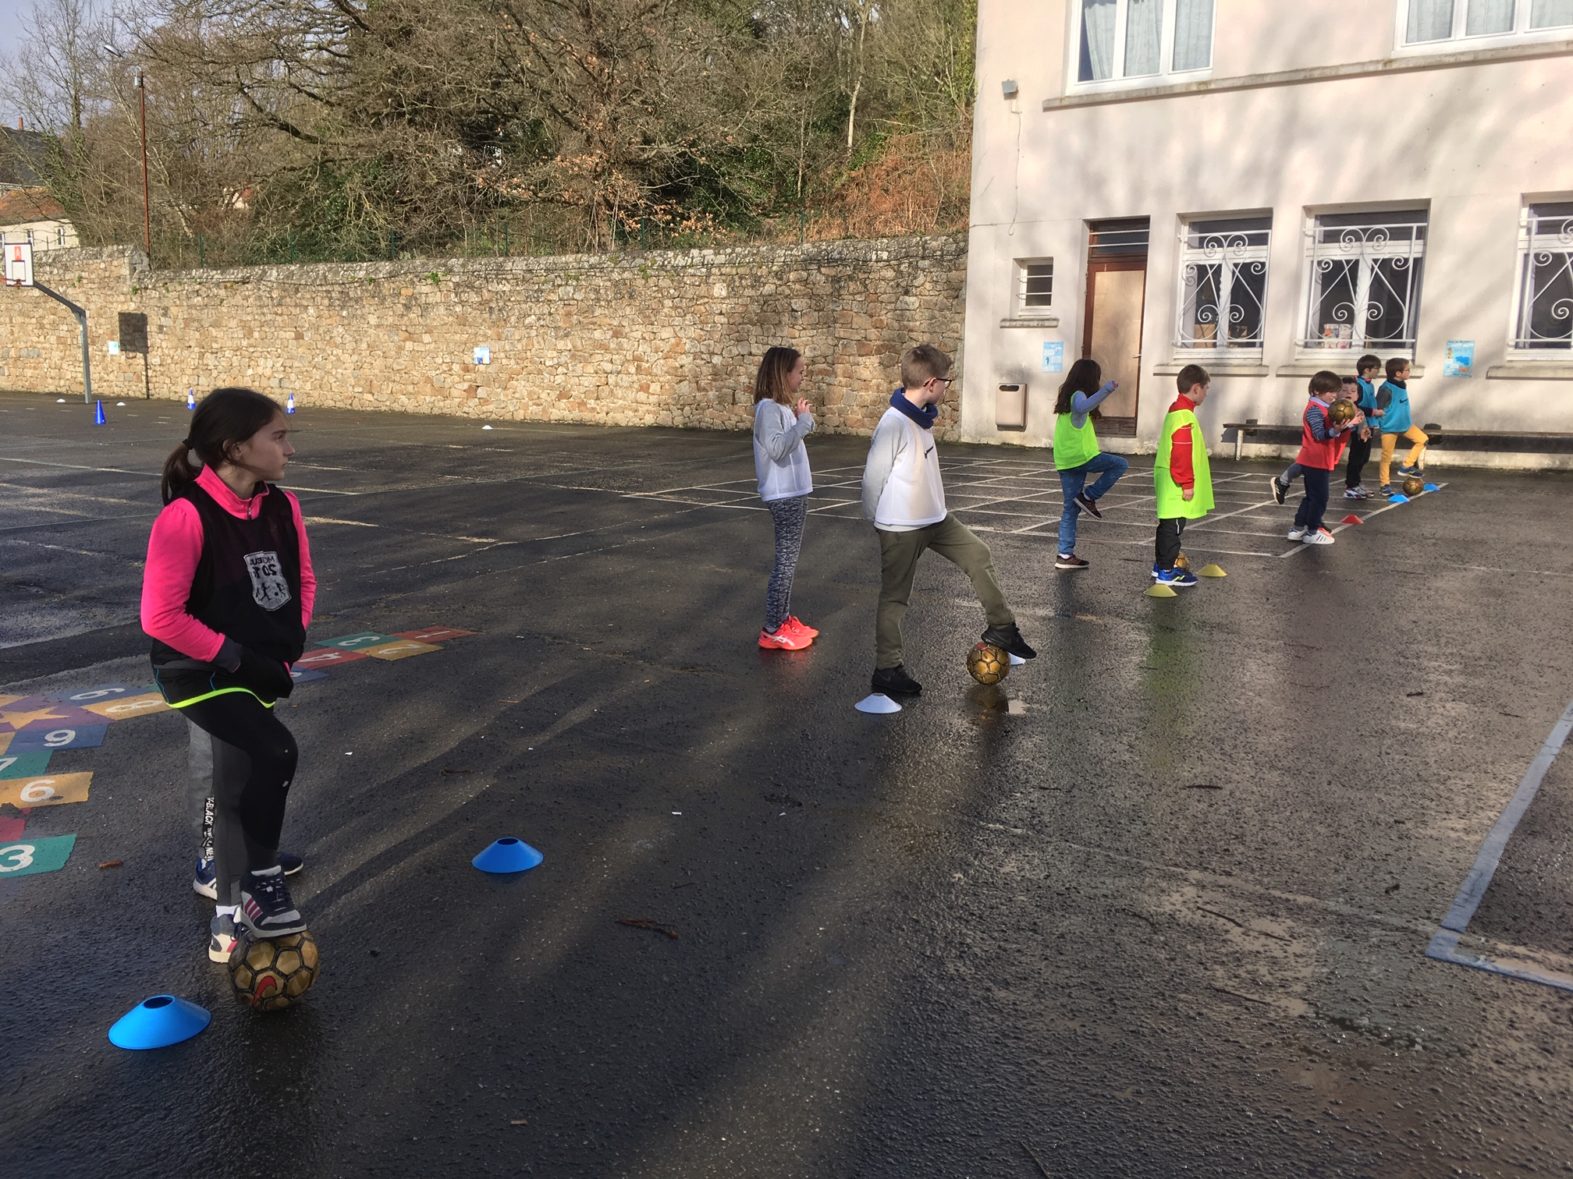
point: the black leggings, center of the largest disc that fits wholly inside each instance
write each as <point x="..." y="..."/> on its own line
<point x="253" y="758"/>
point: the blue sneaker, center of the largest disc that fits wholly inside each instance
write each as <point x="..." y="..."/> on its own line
<point x="1411" y="472"/>
<point x="205" y="882"/>
<point x="1174" y="577"/>
<point x="265" y="906"/>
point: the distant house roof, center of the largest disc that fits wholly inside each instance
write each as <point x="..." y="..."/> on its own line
<point x="22" y="155"/>
<point x="21" y="205"/>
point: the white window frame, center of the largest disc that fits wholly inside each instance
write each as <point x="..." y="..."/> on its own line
<point x="1380" y="238"/>
<point x="1230" y="250"/>
<point x="1019" y="307"/>
<point x="1520" y="34"/>
<point x="1540" y="242"/>
<point x="1119" y="80"/>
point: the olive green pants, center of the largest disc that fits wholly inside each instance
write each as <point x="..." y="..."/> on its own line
<point x="899" y="553"/>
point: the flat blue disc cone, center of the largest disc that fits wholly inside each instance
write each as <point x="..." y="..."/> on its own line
<point x="1398" y="497"/>
<point x="1432" y="487"/>
<point x="158" y="1022"/>
<point x="508" y="855"/>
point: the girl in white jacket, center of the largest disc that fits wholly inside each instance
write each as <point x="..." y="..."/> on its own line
<point x="781" y="421"/>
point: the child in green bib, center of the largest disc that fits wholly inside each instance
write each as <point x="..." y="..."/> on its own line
<point x="1182" y="481"/>
<point x="1076" y="454"/>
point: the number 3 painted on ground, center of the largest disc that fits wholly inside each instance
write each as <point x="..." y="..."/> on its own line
<point x="23" y="853"/>
<point x="39" y="790"/>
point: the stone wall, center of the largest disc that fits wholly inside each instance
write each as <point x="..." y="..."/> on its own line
<point x="665" y="338"/>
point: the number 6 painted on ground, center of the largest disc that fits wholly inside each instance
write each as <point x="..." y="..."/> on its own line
<point x="39" y="790"/>
<point x="24" y="857"/>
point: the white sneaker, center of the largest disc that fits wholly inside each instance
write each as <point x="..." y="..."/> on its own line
<point x="1295" y="533"/>
<point x="1320" y="536"/>
<point x="1357" y="493"/>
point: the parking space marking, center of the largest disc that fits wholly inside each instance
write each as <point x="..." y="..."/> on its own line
<point x="1445" y="942"/>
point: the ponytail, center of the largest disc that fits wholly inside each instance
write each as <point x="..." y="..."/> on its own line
<point x="179" y="472"/>
<point x="223" y="419"/>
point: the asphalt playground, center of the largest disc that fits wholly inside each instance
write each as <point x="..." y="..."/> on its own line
<point x="1169" y="900"/>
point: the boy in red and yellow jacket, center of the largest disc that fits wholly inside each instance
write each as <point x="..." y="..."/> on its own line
<point x="1321" y="446"/>
<point x="1182" y="483"/>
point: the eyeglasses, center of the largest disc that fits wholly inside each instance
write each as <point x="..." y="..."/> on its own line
<point x="943" y="380"/>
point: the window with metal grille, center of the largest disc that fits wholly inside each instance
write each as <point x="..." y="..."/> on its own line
<point x="1126" y="237"/>
<point x="1034" y="285"/>
<point x="1544" y="318"/>
<point x="1364" y="279"/>
<point x="1223" y="283"/>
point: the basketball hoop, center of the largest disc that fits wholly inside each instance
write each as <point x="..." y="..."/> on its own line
<point x="18" y="264"/>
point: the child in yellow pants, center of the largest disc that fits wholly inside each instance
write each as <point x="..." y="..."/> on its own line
<point x="1392" y="418"/>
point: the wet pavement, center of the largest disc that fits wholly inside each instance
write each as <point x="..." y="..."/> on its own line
<point x="1157" y="904"/>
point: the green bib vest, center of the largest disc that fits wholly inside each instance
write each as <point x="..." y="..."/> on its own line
<point x="1171" y="504"/>
<point x="1073" y="447"/>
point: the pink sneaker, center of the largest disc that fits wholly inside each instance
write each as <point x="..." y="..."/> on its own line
<point x="785" y="639"/>
<point x="800" y="626"/>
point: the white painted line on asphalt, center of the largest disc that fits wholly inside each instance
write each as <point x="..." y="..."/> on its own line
<point x="4" y="458"/>
<point x="1444" y="944"/>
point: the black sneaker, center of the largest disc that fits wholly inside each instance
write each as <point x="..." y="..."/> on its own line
<point x="1090" y="506"/>
<point x="894" y="681"/>
<point x="1010" y="639"/>
<point x="1068" y="561"/>
<point x="1280" y="490"/>
<point x="265" y="907"/>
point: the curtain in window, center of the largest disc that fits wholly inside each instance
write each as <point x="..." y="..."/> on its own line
<point x="1097" y="40"/>
<point x="1429" y="20"/>
<point x="1488" y="16"/>
<point x="1143" y="33"/>
<point x="1193" y="34"/>
<point x="1549" y="14"/>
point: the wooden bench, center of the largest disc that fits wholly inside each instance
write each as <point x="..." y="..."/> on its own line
<point x="1510" y="440"/>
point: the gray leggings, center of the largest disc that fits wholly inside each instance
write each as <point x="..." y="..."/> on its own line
<point x="788" y="515"/>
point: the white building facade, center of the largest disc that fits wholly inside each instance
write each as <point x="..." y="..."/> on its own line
<point x="1268" y="188"/>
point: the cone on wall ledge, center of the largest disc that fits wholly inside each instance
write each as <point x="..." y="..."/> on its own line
<point x="508" y="855"/>
<point x="158" y="1022"/>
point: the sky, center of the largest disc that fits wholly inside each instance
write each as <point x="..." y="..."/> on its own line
<point x="12" y="13"/>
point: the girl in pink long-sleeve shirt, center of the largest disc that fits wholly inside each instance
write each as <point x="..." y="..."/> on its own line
<point x="227" y="594"/>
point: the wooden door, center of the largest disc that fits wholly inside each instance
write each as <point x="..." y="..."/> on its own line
<point x="1112" y="335"/>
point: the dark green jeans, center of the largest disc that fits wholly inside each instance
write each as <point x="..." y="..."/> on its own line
<point x="899" y="553"/>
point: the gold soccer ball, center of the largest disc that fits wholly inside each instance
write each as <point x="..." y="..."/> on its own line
<point x="1413" y="486"/>
<point x="272" y="973"/>
<point x="987" y="663"/>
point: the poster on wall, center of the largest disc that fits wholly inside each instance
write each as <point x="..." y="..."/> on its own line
<point x="1460" y="361"/>
<point x="1054" y="356"/>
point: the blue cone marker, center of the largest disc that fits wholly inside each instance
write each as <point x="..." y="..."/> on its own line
<point x="191" y="399"/>
<point x="98" y="414"/>
<point x="289" y="404"/>
<point x="158" y="1022"/>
